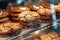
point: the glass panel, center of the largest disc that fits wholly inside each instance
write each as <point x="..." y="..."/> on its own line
<point x="47" y="10"/>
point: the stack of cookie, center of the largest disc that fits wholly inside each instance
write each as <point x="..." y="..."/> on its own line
<point x="45" y="12"/>
<point x="15" y="9"/>
<point x="31" y="5"/>
<point x="4" y="16"/>
<point x="43" y="9"/>
<point x="46" y="15"/>
<point x="10" y="29"/>
<point x="57" y="9"/>
<point x="30" y="19"/>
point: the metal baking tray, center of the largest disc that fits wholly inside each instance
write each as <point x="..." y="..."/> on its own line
<point x="38" y="31"/>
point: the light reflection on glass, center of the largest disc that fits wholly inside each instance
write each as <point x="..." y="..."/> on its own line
<point x="19" y="1"/>
<point x="53" y="16"/>
<point x="37" y="32"/>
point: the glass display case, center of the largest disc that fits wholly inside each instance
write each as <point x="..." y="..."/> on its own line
<point x="37" y="18"/>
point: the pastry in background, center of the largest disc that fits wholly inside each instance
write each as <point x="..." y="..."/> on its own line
<point x="44" y="4"/>
<point x="32" y="6"/>
<point x="19" y="9"/>
<point x="8" y="8"/>
<point x="45" y="36"/>
<point x="57" y="9"/>
<point x="14" y="7"/>
<point x="3" y="14"/>
<point x="50" y="36"/>
<point x="46" y="15"/>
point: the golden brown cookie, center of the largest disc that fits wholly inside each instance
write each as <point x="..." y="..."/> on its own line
<point x="32" y="6"/>
<point x="15" y="19"/>
<point x="19" y="9"/>
<point x="30" y="19"/>
<point x="13" y="4"/>
<point x="50" y="36"/>
<point x="57" y="8"/>
<point x="8" y="27"/>
<point x="14" y="14"/>
<point x="3" y="14"/>
<point x="28" y="16"/>
<point x="46" y="17"/>
<point x="43" y="11"/>
<point x="29" y="4"/>
<point x="4" y="19"/>
<point x="44" y="4"/>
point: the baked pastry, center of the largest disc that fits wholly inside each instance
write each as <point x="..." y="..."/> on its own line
<point x="44" y="4"/>
<point x="29" y="4"/>
<point x="32" y="6"/>
<point x="24" y="9"/>
<point x="15" y="10"/>
<point x="14" y="14"/>
<point x="3" y="14"/>
<point x="4" y="20"/>
<point x="30" y="19"/>
<point x="8" y="28"/>
<point x="18" y="9"/>
<point x="15" y="19"/>
<point x="44" y="11"/>
<point x="9" y="6"/>
<point x="50" y="36"/>
<point x="46" y="15"/>
<point x="57" y="9"/>
<point x="47" y="36"/>
<point x="41" y="11"/>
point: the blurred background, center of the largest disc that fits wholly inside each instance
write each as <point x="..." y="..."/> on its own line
<point x="4" y="3"/>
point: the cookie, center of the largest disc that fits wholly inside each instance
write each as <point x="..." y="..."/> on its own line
<point x="9" y="27"/>
<point x="3" y="14"/>
<point x="4" y="19"/>
<point x="30" y="19"/>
